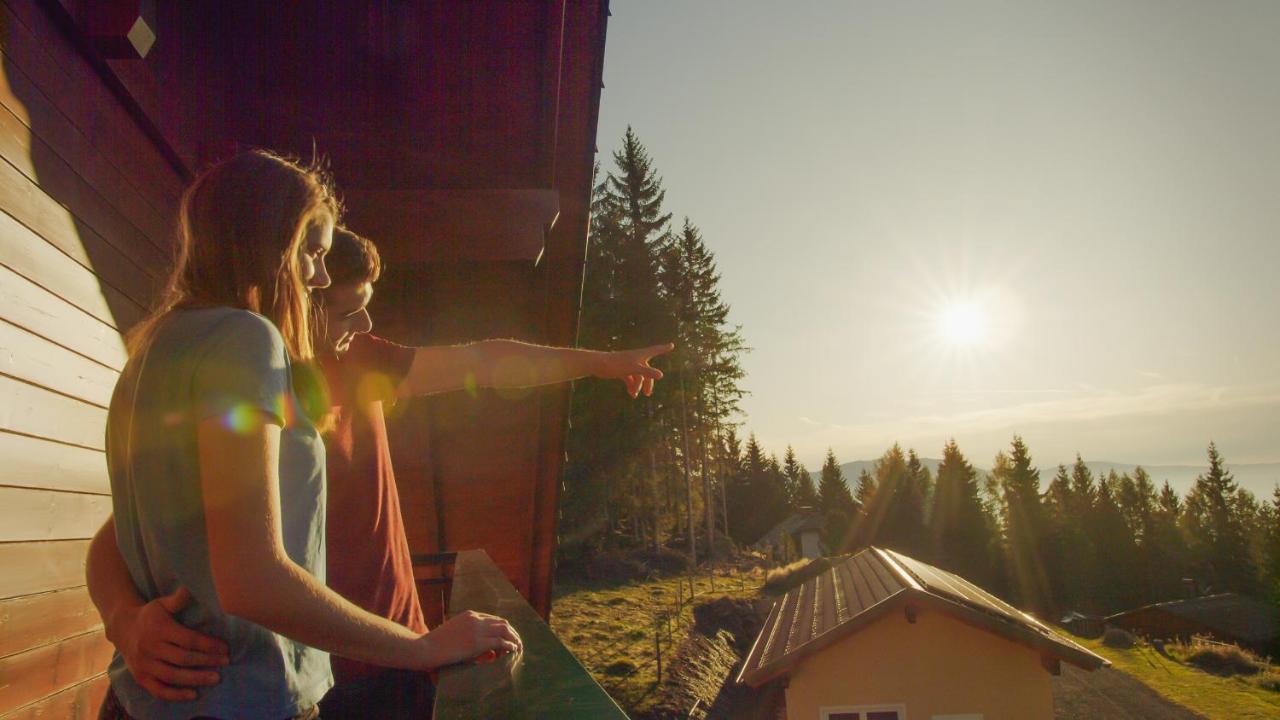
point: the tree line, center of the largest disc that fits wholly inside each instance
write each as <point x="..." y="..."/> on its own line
<point x="1050" y="542"/>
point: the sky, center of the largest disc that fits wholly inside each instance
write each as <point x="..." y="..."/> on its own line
<point x="971" y="219"/>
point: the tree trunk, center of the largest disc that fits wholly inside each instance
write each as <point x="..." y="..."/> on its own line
<point x="708" y="503"/>
<point x="688" y="480"/>
<point x="653" y="480"/>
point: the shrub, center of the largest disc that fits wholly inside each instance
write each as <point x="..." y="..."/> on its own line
<point x="619" y="668"/>
<point x="780" y="580"/>
<point x="741" y="618"/>
<point x="1223" y="659"/>
<point x="664" y="561"/>
<point x="1117" y="638"/>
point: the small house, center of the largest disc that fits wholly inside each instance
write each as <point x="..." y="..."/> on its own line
<point x="1226" y="617"/>
<point x="798" y="537"/>
<point x="882" y="636"/>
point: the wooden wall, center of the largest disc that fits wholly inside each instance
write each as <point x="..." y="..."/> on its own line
<point x="86" y="206"/>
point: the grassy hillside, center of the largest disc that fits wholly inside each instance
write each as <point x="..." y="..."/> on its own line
<point x="1217" y="698"/>
<point x="610" y="628"/>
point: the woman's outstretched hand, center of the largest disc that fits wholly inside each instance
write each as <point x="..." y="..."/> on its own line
<point x="467" y="636"/>
<point x="632" y="367"/>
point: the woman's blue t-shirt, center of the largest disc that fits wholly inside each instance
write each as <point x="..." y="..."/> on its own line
<point x="204" y="363"/>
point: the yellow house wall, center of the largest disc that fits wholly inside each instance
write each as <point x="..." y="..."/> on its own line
<point x="937" y="666"/>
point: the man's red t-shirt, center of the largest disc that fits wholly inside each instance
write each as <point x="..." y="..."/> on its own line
<point x="369" y="562"/>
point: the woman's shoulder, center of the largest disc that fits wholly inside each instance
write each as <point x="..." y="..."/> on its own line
<point x="230" y="332"/>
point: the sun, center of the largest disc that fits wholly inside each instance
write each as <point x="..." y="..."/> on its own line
<point x="963" y="323"/>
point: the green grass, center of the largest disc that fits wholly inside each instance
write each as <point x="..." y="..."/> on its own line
<point x="610" y="628"/>
<point x="1218" y="698"/>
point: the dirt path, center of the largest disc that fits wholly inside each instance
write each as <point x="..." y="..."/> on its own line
<point x="1110" y="694"/>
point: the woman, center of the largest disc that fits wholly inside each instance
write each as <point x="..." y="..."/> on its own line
<point x="217" y="476"/>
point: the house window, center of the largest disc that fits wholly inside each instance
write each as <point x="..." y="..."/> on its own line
<point x="863" y="712"/>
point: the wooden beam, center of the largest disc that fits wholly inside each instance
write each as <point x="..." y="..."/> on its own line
<point x="434" y="225"/>
<point x="1051" y="664"/>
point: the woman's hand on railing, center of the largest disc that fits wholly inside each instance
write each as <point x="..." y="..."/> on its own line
<point x="468" y="636"/>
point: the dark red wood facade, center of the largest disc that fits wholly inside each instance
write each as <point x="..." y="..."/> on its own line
<point x="462" y="136"/>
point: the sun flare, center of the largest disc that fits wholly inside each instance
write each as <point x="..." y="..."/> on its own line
<point x="963" y="323"/>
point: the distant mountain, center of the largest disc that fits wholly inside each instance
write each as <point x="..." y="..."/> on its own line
<point x="1258" y="478"/>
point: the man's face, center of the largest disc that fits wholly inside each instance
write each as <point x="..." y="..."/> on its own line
<point x="346" y="314"/>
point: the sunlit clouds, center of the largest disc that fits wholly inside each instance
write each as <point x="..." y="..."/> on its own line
<point x="1069" y="416"/>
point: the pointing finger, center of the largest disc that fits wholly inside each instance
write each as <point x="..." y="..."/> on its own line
<point x="660" y="349"/>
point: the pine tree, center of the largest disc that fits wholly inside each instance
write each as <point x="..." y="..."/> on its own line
<point x="1165" y="551"/>
<point x="1024" y="524"/>
<point x="835" y="501"/>
<point x="807" y="492"/>
<point x="757" y="499"/>
<point x="1077" y="544"/>
<point x="1271" y="571"/>
<point x="866" y="489"/>
<point x="877" y="517"/>
<point x="906" y="530"/>
<point x="1061" y="543"/>
<point x="961" y="531"/>
<point x="800" y="489"/>
<point x="613" y="454"/>
<point x="1115" y="553"/>
<point x="1220" y="541"/>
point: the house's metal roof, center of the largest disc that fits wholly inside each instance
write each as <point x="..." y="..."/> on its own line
<point x="861" y="588"/>
<point x="1226" y="614"/>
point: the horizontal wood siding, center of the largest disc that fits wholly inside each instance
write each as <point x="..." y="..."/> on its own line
<point x="78" y="702"/>
<point x="36" y="567"/>
<point x="51" y="514"/>
<point x="35" y="620"/>
<point x="87" y="208"/>
<point x="35" y="463"/>
<point x="39" y="673"/>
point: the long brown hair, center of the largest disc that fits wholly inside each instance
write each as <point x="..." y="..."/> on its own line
<point x="241" y="224"/>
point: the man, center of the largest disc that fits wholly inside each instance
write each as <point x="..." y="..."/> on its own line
<point x="368" y="554"/>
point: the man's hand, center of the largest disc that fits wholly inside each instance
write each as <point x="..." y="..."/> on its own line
<point x="632" y="367"/>
<point x="469" y="636"/>
<point x="165" y="657"/>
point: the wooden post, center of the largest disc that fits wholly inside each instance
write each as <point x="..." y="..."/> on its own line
<point x="657" y="651"/>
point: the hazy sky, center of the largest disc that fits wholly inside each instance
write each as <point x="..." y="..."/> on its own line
<point x="1089" y="190"/>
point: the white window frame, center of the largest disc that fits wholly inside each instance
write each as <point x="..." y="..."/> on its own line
<point x="826" y="711"/>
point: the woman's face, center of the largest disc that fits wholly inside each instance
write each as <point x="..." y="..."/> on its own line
<point x="315" y="245"/>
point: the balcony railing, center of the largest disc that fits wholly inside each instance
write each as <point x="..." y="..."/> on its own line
<point x="544" y="681"/>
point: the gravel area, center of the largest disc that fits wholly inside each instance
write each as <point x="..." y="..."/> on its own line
<point x="1109" y="694"/>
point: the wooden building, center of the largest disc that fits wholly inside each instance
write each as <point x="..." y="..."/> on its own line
<point x="797" y="537"/>
<point x="1225" y="617"/>
<point x="881" y="636"/>
<point x="462" y="134"/>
